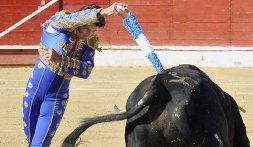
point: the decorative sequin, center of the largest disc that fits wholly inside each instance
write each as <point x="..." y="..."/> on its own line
<point x="89" y="69"/>
<point x="63" y="103"/>
<point x="62" y="44"/>
<point x="93" y="42"/>
<point x="40" y="65"/>
<point x="25" y="104"/>
<point x="25" y="143"/>
<point x="67" y="76"/>
<point x="52" y="134"/>
<point x="76" y="64"/>
<point x="84" y="66"/>
<point x="65" y="95"/>
<point x="84" y="72"/>
<point x="66" y="69"/>
<point x="59" y="112"/>
<point x="75" y="72"/>
<point x="26" y="94"/>
<point x="24" y="124"/>
<point x="30" y="85"/>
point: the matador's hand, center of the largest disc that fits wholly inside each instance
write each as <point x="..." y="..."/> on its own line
<point x="112" y="9"/>
<point x="52" y="55"/>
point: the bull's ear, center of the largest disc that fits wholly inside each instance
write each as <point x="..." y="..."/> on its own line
<point x="158" y="87"/>
<point x="149" y="94"/>
<point x="154" y="89"/>
<point x="156" y="82"/>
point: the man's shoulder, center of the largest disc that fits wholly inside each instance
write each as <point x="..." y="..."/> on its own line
<point x="63" y="12"/>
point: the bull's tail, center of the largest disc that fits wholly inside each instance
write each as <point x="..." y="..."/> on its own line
<point x="71" y="139"/>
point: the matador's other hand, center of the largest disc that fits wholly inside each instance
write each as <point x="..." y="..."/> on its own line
<point x="52" y="55"/>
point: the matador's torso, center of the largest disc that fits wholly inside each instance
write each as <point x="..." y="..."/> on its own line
<point x="77" y="55"/>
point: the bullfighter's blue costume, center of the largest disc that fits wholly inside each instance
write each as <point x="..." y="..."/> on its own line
<point x="47" y="90"/>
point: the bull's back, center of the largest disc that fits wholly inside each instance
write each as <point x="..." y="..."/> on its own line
<point x="186" y="112"/>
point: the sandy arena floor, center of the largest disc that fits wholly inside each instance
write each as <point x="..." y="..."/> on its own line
<point x="98" y="94"/>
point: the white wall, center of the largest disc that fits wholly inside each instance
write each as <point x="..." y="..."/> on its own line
<point x="203" y="56"/>
<point x="175" y="55"/>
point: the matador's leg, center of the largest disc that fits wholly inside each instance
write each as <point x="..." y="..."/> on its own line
<point x="52" y="108"/>
<point x="31" y="102"/>
<point x="50" y="117"/>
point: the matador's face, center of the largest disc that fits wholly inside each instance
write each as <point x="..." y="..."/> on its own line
<point x="83" y="32"/>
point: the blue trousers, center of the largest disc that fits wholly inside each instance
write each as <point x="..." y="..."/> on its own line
<point x="44" y="103"/>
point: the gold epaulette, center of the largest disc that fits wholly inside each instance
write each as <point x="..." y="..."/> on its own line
<point x="63" y="12"/>
<point x="93" y="42"/>
<point x="72" y="23"/>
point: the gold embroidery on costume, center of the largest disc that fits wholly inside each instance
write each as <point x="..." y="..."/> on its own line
<point x="65" y="95"/>
<point x="25" y="104"/>
<point x="93" y="42"/>
<point x="85" y="54"/>
<point x="76" y="64"/>
<point x="84" y="72"/>
<point x="26" y="94"/>
<point x="66" y="102"/>
<point x="30" y="85"/>
<point x="52" y="134"/>
<point x="25" y="143"/>
<point x="63" y="12"/>
<point x="79" y="48"/>
<point x="52" y="65"/>
<point x="71" y="63"/>
<point x="59" y="112"/>
<point x="62" y="44"/>
<point x="71" y="56"/>
<point x="70" y="45"/>
<point x="24" y="124"/>
<point x="67" y="76"/>
<point x="75" y="72"/>
<point x="89" y="69"/>
<point x="40" y="65"/>
<point x="84" y="66"/>
<point x="32" y="75"/>
<point x="63" y="103"/>
<point x="66" y="69"/>
<point x="71" y="24"/>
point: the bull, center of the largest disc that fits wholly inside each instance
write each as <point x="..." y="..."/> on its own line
<point x="181" y="107"/>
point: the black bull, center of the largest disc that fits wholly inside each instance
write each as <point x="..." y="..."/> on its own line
<point x="180" y="107"/>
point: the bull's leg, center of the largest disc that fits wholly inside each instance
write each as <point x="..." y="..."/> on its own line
<point x="138" y="137"/>
<point x="144" y="136"/>
<point x="240" y="136"/>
